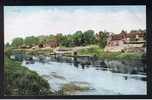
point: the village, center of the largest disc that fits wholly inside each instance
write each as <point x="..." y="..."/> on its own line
<point x="132" y="42"/>
<point x="126" y="42"/>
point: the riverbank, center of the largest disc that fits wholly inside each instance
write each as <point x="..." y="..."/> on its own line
<point x="20" y="80"/>
<point x="91" y="50"/>
<point x="36" y="51"/>
<point x="100" y="53"/>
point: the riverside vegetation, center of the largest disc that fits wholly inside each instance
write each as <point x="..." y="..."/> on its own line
<point x="19" y="80"/>
<point x="95" y="50"/>
<point x="91" y="50"/>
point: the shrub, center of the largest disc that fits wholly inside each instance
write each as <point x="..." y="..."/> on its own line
<point x="20" y="80"/>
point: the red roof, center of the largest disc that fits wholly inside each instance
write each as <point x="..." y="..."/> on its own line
<point x="133" y="34"/>
<point x="117" y="37"/>
<point x="123" y="35"/>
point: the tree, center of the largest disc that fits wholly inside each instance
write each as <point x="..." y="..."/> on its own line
<point x="31" y="40"/>
<point x="78" y="38"/>
<point x="103" y="38"/>
<point x="17" y="42"/>
<point x="59" y="38"/>
<point x="68" y="41"/>
<point x="50" y="38"/>
<point x="89" y="37"/>
<point x="42" y="39"/>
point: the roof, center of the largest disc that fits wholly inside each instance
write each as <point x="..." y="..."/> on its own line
<point x="133" y="34"/>
<point x="117" y="37"/>
<point x="123" y="35"/>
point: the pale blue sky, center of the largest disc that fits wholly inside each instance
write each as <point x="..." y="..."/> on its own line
<point x="28" y="9"/>
<point x="22" y="21"/>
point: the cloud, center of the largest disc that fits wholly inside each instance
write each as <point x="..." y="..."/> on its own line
<point x="55" y="21"/>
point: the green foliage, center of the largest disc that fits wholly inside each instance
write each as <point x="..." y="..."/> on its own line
<point x="59" y="37"/>
<point x="42" y="39"/>
<point x="121" y="56"/>
<point x="130" y="56"/>
<point x="71" y="87"/>
<point x="92" y="50"/>
<point x="78" y="38"/>
<point x="8" y="51"/>
<point x="68" y="41"/>
<point x="99" y="52"/>
<point x="89" y="37"/>
<point x="103" y="39"/>
<point x="39" y="51"/>
<point x="17" y="42"/>
<point x="50" y="38"/>
<point x="31" y="40"/>
<point x="21" y="81"/>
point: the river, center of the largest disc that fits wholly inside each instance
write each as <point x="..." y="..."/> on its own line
<point x="108" y="78"/>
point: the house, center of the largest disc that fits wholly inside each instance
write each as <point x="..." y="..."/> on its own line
<point x="116" y="39"/>
<point x="125" y="41"/>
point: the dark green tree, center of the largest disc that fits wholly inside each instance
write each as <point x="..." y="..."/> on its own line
<point x="17" y="42"/>
<point x="42" y="39"/>
<point x="89" y="37"/>
<point x="68" y="41"/>
<point x="31" y="41"/>
<point x="59" y="38"/>
<point x="103" y="38"/>
<point x="78" y="38"/>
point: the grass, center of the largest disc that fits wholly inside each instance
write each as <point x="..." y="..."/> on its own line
<point x="95" y="50"/>
<point x="71" y="87"/>
<point x="92" y="50"/>
<point x="20" y="81"/>
<point x="122" y="56"/>
<point x="43" y="51"/>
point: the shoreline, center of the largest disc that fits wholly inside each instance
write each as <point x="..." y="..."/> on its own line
<point x="91" y="50"/>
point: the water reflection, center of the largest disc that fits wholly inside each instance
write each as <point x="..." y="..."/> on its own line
<point x="115" y="66"/>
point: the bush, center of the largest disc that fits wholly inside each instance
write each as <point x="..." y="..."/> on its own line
<point x="8" y="51"/>
<point x="20" y="80"/>
<point x="92" y="50"/>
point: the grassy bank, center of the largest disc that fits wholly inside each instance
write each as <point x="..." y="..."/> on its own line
<point x="90" y="50"/>
<point x="20" y="81"/>
<point x="71" y="88"/>
<point x="95" y="50"/>
<point x="38" y="51"/>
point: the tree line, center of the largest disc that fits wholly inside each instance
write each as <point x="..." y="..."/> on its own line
<point x="78" y="38"/>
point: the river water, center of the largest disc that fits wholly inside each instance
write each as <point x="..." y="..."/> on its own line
<point x="106" y="78"/>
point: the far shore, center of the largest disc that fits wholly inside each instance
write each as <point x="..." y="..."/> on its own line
<point x="90" y="50"/>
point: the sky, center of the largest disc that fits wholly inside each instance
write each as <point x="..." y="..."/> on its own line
<point x="23" y="21"/>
